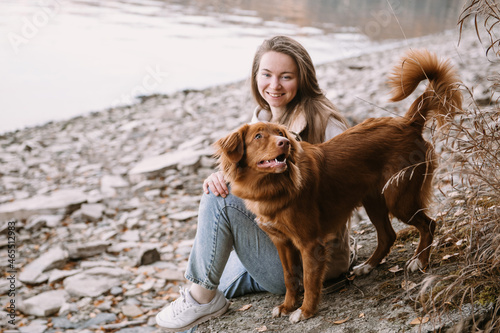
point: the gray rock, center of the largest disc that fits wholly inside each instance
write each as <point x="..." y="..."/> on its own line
<point x="148" y="285"/>
<point x="105" y="306"/>
<point x="62" y="201"/>
<point x="131" y="310"/>
<point x="67" y="308"/>
<point x="183" y="216"/>
<point x="131" y="292"/>
<point x="147" y="256"/>
<point x="33" y="273"/>
<point x="93" y="323"/>
<point x="127" y="324"/>
<point x="95" y="281"/>
<point x="92" y="212"/>
<point x="189" y="165"/>
<point x="44" y="304"/>
<point x="110" y="183"/>
<point x="193" y="143"/>
<point x="8" y="225"/>
<point x="144" y="185"/>
<point x="137" y="330"/>
<point x="79" y="250"/>
<point x="100" y="319"/>
<point x="36" y="222"/>
<point x="119" y="247"/>
<point x="94" y="196"/>
<point x="116" y="291"/>
<point x="97" y="263"/>
<point x="63" y="323"/>
<point x="170" y="275"/>
<point x="35" y="326"/>
<point x="5" y="318"/>
<point x="152" y="194"/>
<point x="58" y="275"/>
<point x="4" y="286"/>
<point x="160" y="163"/>
<point x="131" y="236"/>
<point x="184" y="247"/>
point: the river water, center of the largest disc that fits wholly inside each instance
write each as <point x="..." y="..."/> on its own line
<point x="61" y="58"/>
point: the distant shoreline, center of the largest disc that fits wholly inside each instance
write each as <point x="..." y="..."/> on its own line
<point x="446" y="40"/>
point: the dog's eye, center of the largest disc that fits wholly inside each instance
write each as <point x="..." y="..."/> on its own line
<point x="280" y="133"/>
<point x="258" y="136"/>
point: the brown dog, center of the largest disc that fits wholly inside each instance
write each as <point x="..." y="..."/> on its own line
<point x="304" y="194"/>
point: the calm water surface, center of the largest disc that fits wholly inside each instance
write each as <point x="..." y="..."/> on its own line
<point x="61" y="58"/>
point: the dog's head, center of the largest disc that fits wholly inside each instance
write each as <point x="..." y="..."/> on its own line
<point x="258" y="150"/>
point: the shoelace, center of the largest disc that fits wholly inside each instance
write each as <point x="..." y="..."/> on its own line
<point x="180" y="304"/>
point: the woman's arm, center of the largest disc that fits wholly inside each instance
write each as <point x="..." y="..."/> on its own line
<point x="217" y="184"/>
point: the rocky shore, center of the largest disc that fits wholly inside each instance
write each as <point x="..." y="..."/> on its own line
<point x="98" y="213"/>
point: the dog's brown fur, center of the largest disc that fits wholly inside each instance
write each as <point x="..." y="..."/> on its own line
<point x="305" y="202"/>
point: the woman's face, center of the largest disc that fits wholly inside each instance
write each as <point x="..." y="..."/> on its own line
<point x="277" y="80"/>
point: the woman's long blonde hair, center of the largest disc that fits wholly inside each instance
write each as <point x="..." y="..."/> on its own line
<point x="310" y="98"/>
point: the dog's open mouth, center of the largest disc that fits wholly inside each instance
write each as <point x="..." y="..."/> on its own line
<point x="279" y="161"/>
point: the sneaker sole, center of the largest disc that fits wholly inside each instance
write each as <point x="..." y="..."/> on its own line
<point x="198" y="321"/>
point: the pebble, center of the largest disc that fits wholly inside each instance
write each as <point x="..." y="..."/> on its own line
<point x="95" y="281"/>
<point x="44" y="304"/>
<point x="55" y="202"/>
<point x="92" y="212"/>
<point x="107" y="203"/>
<point x="84" y="250"/>
<point x="131" y="310"/>
<point x="34" y="272"/>
<point x="35" y="326"/>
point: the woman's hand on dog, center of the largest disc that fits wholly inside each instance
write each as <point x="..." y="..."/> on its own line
<point x="217" y="184"/>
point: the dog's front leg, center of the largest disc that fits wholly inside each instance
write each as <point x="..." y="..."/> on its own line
<point x="314" y="263"/>
<point x="290" y="260"/>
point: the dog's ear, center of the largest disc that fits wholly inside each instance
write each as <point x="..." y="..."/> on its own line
<point x="229" y="151"/>
<point x="232" y="146"/>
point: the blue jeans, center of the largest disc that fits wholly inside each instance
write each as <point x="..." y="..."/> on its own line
<point x="231" y="252"/>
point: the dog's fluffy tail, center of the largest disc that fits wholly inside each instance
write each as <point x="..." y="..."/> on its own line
<point x="442" y="97"/>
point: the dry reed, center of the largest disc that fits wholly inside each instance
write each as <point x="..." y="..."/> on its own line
<point x="469" y="177"/>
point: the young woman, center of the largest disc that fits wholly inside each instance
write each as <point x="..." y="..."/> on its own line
<point x="231" y="255"/>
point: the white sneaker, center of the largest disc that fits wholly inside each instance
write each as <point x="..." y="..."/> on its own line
<point x="185" y="312"/>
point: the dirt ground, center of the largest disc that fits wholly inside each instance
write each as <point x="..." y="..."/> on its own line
<point x="377" y="302"/>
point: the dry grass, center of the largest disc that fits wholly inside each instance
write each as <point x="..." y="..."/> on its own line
<point x="470" y="219"/>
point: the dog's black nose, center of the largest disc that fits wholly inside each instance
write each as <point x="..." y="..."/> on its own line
<point x="283" y="142"/>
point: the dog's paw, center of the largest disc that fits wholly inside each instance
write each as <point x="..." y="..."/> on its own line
<point x="277" y="312"/>
<point x="297" y="316"/>
<point x="362" y="269"/>
<point x="415" y="265"/>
